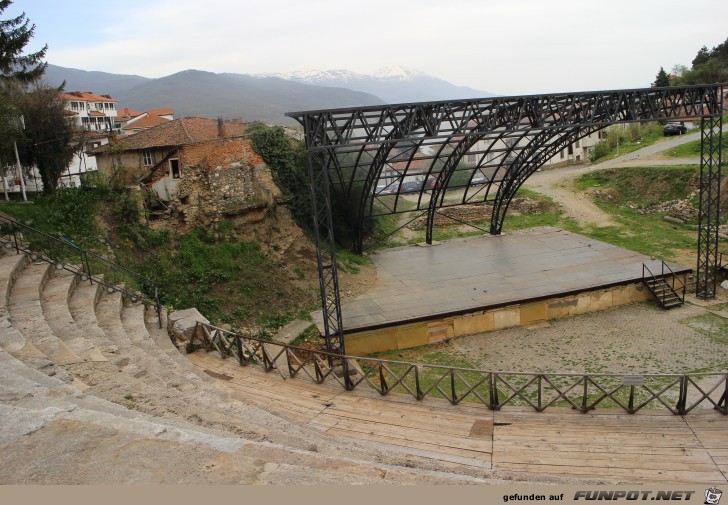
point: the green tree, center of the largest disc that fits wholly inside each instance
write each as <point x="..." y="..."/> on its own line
<point x="661" y="80"/>
<point x="709" y="66"/>
<point x="15" y="33"/>
<point x="701" y="57"/>
<point x="48" y="138"/>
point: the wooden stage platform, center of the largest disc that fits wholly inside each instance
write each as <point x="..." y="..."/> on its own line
<point x="462" y="276"/>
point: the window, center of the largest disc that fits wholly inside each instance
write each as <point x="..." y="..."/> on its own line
<point x="148" y="158"/>
<point x="562" y="154"/>
<point x="577" y="143"/>
<point x="74" y="105"/>
<point x="174" y="170"/>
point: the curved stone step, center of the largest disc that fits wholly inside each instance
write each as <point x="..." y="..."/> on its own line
<point x="55" y="304"/>
<point x="133" y="321"/>
<point x="67" y="444"/>
<point x="11" y="339"/>
<point x="131" y="358"/>
<point x="11" y="265"/>
<point x="164" y="342"/>
<point x="26" y="315"/>
<point x="82" y="306"/>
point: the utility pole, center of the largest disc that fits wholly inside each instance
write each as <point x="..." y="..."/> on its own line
<point x="5" y="182"/>
<point x="21" y="126"/>
<point x="20" y="171"/>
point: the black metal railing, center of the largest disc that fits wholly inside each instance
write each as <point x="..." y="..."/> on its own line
<point x="89" y="266"/>
<point x="678" y="393"/>
<point x="668" y="276"/>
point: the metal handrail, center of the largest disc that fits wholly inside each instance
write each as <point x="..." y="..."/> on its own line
<point x="679" y="393"/>
<point x="673" y="277"/>
<point x="663" y="276"/>
<point x="66" y="255"/>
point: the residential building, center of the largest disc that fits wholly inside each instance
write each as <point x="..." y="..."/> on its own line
<point x="162" y="156"/>
<point x="132" y="121"/>
<point x="92" y="112"/>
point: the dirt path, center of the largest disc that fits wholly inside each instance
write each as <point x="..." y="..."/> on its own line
<point x="558" y="183"/>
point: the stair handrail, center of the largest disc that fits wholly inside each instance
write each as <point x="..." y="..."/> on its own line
<point x="86" y="257"/>
<point x="652" y="276"/>
<point x="673" y="277"/>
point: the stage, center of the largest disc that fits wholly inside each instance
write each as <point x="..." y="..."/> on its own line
<point x="426" y="293"/>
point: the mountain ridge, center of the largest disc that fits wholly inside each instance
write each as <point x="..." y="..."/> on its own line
<point x="265" y="97"/>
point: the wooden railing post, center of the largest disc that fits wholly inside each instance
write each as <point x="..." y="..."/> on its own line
<point x="418" y="389"/>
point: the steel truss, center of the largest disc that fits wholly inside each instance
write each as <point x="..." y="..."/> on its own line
<point x="709" y="213"/>
<point x="388" y="159"/>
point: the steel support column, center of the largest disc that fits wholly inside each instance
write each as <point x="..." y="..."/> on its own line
<point x="318" y="177"/>
<point x="709" y="215"/>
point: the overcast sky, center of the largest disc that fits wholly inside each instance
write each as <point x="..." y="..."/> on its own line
<point x="502" y="46"/>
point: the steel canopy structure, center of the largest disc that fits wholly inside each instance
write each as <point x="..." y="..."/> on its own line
<point x="424" y="156"/>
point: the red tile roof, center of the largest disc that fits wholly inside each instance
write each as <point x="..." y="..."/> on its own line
<point x="161" y="111"/>
<point x="95" y="113"/>
<point x="126" y="111"/>
<point x="86" y="96"/>
<point x="147" y="122"/>
<point x="179" y="132"/>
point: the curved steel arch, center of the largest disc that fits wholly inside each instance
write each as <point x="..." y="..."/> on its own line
<point x="550" y="122"/>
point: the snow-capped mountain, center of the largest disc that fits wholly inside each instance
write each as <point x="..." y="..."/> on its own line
<point x="391" y="84"/>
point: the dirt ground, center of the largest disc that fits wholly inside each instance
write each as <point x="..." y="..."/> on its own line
<point x="639" y="338"/>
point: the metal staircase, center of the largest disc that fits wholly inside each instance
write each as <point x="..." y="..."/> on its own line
<point x="666" y="287"/>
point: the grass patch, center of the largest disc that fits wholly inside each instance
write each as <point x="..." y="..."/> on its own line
<point x="647" y="234"/>
<point x="350" y="262"/>
<point x="641" y="185"/>
<point x="309" y="333"/>
<point x="713" y="326"/>
<point x="623" y="139"/>
<point x="429" y="378"/>
<point x="621" y="189"/>
<point x="692" y="149"/>
<point x="68" y="213"/>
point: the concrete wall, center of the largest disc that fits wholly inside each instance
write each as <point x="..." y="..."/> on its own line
<point x="426" y="332"/>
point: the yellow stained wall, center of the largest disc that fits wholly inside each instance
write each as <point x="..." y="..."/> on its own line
<point x="426" y="332"/>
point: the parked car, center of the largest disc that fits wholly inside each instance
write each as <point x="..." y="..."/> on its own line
<point x="674" y="129"/>
<point x="478" y="178"/>
<point x="381" y="189"/>
<point x="411" y="186"/>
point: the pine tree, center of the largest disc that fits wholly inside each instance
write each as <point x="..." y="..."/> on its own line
<point x="661" y="80"/>
<point x="15" y="33"/>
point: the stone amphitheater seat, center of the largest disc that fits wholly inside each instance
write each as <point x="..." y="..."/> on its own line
<point x="90" y="393"/>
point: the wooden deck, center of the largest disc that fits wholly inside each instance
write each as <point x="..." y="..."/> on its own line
<point x="604" y="445"/>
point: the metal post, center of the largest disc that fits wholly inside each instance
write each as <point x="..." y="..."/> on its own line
<point x="709" y="213"/>
<point x="326" y="259"/>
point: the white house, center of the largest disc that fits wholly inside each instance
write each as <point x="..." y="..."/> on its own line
<point x="90" y="111"/>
